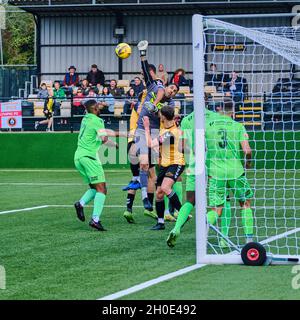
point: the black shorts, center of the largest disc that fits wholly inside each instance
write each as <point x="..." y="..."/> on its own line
<point x="48" y="115"/>
<point x="173" y="172"/>
<point x="129" y="146"/>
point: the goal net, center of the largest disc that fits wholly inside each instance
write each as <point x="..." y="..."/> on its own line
<point x="258" y="70"/>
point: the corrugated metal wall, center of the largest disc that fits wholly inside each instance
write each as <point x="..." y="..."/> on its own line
<point x="170" y="35"/>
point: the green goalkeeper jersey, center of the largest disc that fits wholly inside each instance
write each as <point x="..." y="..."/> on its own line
<point x="187" y="126"/>
<point x="88" y="142"/>
<point x="223" y="141"/>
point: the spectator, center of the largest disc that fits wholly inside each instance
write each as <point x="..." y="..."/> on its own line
<point x="99" y="88"/>
<point x="237" y="86"/>
<point x="71" y="79"/>
<point x="131" y="100"/>
<point x="91" y="95"/>
<point x="162" y="74"/>
<point x="85" y="88"/>
<point x="106" y="99"/>
<point x="59" y="95"/>
<point x="214" y="78"/>
<point x="114" y="90"/>
<point x="48" y="112"/>
<point x="95" y="76"/>
<point x="179" y="79"/>
<point x="138" y="86"/>
<point x="43" y="92"/>
<point x="78" y="101"/>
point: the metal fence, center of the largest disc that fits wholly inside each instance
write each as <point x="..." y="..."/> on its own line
<point x="12" y="79"/>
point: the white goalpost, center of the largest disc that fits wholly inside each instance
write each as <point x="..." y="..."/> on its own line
<point x="266" y="62"/>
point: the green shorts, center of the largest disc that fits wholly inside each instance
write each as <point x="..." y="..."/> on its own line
<point x="218" y="190"/>
<point x="90" y="169"/>
<point x="190" y="179"/>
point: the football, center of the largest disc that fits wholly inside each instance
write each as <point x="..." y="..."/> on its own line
<point x="123" y="50"/>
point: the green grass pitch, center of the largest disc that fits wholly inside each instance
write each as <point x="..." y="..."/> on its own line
<point x="48" y="254"/>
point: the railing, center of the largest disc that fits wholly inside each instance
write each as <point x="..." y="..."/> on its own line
<point x="256" y="113"/>
<point x="42" y="3"/>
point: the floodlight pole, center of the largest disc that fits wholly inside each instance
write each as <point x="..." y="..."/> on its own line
<point x="199" y="107"/>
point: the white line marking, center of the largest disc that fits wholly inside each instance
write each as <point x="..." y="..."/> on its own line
<point x="279" y="236"/>
<point x="152" y="282"/>
<point x="60" y="206"/>
<point x="24" y="209"/>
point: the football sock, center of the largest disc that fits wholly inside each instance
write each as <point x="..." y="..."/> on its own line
<point x="174" y="200"/>
<point x="144" y="183"/>
<point x="177" y="187"/>
<point x="226" y="218"/>
<point x="166" y="200"/>
<point x="87" y="197"/>
<point x="151" y="197"/>
<point x="135" y="169"/>
<point x="247" y="221"/>
<point x="98" y="206"/>
<point x="183" y="215"/>
<point x="130" y="199"/>
<point x="160" y="208"/>
<point x="212" y="217"/>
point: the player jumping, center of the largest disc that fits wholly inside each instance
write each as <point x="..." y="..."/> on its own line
<point x="157" y="96"/>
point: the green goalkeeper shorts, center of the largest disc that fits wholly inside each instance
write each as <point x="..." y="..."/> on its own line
<point x="90" y="169"/>
<point x="218" y="190"/>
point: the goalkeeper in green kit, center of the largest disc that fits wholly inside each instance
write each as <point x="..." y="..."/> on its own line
<point x="224" y="140"/>
<point x="92" y="134"/>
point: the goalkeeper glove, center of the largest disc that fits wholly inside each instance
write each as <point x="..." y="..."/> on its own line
<point x="142" y="46"/>
<point x="151" y="107"/>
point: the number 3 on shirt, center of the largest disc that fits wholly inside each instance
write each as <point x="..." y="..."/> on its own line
<point x="223" y="136"/>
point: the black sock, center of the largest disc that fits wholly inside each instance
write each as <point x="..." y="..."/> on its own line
<point x="135" y="169"/>
<point x="151" y="197"/>
<point x="160" y="208"/>
<point x="174" y="200"/>
<point x="130" y="199"/>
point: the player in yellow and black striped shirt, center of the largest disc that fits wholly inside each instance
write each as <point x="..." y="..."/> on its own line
<point x="172" y="161"/>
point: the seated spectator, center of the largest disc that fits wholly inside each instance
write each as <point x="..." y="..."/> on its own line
<point x="214" y="78"/>
<point x="85" y="87"/>
<point x="78" y="101"/>
<point x="138" y="86"/>
<point x="114" y="90"/>
<point x="99" y="88"/>
<point x="179" y="79"/>
<point x="131" y="100"/>
<point x="71" y="79"/>
<point x="43" y="92"/>
<point x="95" y="76"/>
<point x="162" y="74"/>
<point x="91" y="95"/>
<point x="59" y="95"/>
<point x="49" y="106"/>
<point x="106" y="99"/>
<point x="236" y="85"/>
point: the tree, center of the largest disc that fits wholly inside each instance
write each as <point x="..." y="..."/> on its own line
<point x="18" y="38"/>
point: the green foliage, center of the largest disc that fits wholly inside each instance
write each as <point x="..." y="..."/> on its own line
<point x="18" y="38"/>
